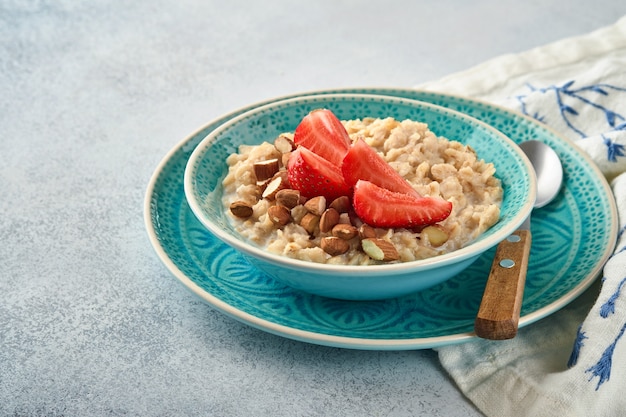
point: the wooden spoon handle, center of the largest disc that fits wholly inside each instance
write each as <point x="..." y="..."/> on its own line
<point x="498" y="315"/>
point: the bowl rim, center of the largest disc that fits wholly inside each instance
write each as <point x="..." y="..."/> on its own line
<point x="472" y="249"/>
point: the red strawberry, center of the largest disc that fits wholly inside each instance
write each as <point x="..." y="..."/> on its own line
<point x="363" y="163"/>
<point x="312" y="175"/>
<point x="322" y="133"/>
<point x="379" y="207"/>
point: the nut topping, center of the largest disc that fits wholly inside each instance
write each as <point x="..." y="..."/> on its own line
<point x="435" y="235"/>
<point x="334" y="246"/>
<point x="344" y="218"/>
<point x="380" y="249"/>
<point x="279" y="215"/>
<point x="284" y="159"/>
<point x="288" y="198"/>
<point x="310" y="222"/>
<point x="345" y="231"/>
<point x="328" y="220"/>
<point x="316" y="205"/>
<point x="241" y="209"/>
<point x="366" y="231"/>
<point x="264" y="170"/>
<point x="341" y="204"/>
<point x="283" y="144"/>
<point x="279" y="182"/>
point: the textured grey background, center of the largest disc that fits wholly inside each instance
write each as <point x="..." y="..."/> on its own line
<point x="94" y="94"/>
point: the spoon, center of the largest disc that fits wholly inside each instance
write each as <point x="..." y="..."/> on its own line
<point x="499" y="311"/>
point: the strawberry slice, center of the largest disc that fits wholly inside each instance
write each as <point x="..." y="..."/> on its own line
<point x="362" y="162"/>
<point x="379" y="207"/>
<point x="322" y="133"/>
<point x="312" y="175"/>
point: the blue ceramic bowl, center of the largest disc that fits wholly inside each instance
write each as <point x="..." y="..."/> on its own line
<point x="207" y="167"/>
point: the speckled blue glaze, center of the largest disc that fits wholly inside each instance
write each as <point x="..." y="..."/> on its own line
<point x="562" y="263"/>
<point x="207" y="167"/>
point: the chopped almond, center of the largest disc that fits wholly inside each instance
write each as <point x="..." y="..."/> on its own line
<point x="241" y="209"/>
<point x="279" y="215"/>
<point x="345" y="231"/>
<point x="279" y="182"/>
<point x="288" y="198"/>
<point x="366" y="231"/>
<point x="264" y="170"/>
<point x="310" y="222"/>
<point x="435" y="235"/>
<point x="284" y="145"/>
<point x="316" y="205"/>
<point x="341" y="204"/>
<point x="328" y="220"/>
<point x="334" y="246"/>
<point x="380" y="249"/>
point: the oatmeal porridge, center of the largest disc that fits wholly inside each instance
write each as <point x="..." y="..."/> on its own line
<point x="268" y="211"/>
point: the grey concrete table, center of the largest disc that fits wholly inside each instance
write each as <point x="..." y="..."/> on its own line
<point x="94" y="94"/>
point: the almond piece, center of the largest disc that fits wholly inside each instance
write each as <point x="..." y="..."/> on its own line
<point x="262" y="185"/>
<point x="288" y="198"/>
<point x="279" y="182"/>
<point x="310" y="222"/>
<point x="344" y="218"/>
<point x="366" y="231"/>
<point x="284" y="175"/>
<point x="264" y="170"/>
<point x="241" y="209"/>
<point x="380" y="249"/>
<point x="279" y="215"/>
<point x="334" y="246"/>
<point x="283" y="144"/>
<point x="284" y="159"/>
<point x="328" y="220"/>
<point x="345" y="231"/>
<point x="316" y="205"/>
<point x="341" y="204"/>
<point x="435" y="235"/>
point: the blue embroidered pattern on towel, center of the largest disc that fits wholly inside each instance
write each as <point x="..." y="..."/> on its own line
<point x="614" y="150"/>
<point x="571" y="102"/>
<point x="608" y="307"/>
<point x="602" y="369"/>
<point x="578" y="344"/>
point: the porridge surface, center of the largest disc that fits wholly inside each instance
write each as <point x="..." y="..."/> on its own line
<point x="434" y="166"/>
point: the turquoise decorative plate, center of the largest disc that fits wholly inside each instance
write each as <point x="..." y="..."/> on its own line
<point x="207" y="168"/>
<point x="572" y="238"/>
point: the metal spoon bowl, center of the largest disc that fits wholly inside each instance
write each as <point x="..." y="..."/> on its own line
<point x="499" y="312"/>
<point x="548" y="170"/>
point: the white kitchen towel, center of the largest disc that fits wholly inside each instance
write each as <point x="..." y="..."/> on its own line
<point x="572" y="363"/>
